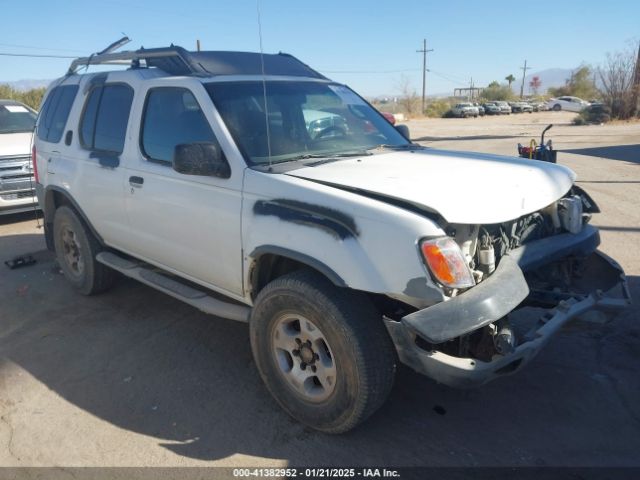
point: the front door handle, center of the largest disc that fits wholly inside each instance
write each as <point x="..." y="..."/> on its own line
<point x="136" y="181"/>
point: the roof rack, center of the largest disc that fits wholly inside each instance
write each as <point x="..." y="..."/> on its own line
<point x="176" y="60"/>
<point x="130" y="58"/>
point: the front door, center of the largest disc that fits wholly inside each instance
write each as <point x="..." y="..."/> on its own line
<point x="187" y="224"/>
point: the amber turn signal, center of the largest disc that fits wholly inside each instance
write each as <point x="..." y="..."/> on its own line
<point x="446" y="262"/>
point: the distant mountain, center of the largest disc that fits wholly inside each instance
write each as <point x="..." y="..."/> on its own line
<point x="27" y="84"/>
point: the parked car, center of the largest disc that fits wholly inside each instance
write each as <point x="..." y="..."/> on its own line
<point x="539" y="106"/>
<point x="192" y="173"/>
<point x="570" y="104"/>
<point x="480" y="108"/>
<point x="17" y="122"/>
<point x="490" y="108"/>
<point x="521" y="107"/>
<point x="464" y="110"/>
<point x="505" y="108"/>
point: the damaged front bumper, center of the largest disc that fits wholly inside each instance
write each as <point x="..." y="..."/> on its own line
<point x="416" y="336"/>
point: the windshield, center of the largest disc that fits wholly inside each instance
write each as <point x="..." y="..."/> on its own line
<point x="306" y="120"/>
<point x="16" y="118"/>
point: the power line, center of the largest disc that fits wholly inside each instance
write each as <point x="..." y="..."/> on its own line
<point x="38" y="48"/>
<point x="447" y="77"/>
<point x="33" y="55"/>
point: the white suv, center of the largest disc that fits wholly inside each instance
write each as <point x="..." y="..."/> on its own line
<point x="17" y="122"/>
<point x="345" y="246"/>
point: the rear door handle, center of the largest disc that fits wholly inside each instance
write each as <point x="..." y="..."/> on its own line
<point x="136" y="181"/>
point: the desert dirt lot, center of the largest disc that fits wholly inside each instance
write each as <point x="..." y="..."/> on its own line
<point x="133" y="377"/>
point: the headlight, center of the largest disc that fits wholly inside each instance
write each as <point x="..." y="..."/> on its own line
<point x="446" y="262"/>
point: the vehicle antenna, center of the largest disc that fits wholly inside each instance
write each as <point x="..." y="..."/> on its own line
<point x="264" y="85"/>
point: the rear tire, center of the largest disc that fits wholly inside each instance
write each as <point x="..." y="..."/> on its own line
<point x="76" y="249"/>
<point x="322" y="351"/>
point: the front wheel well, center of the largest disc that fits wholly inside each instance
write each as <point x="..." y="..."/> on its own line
<point x="270" y="266"/>
<point x="274" y="262"/>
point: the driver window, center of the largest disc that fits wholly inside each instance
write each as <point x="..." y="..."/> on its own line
<point x="172" y="116"/>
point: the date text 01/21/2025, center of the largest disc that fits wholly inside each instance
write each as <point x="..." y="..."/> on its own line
<point x="316" y="472"/>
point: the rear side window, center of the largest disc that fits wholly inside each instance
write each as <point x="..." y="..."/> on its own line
<point x="172" y="117"/>
<point x="104" y="121"/>
<point x="55" y="112"/>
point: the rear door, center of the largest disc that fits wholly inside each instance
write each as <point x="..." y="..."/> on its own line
<point x="184" y="223"/>
<point x="96" y="148"/>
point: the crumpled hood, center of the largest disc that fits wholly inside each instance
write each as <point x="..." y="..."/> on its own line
<point x="463" y="187"/>
<point x="15" y="144"/>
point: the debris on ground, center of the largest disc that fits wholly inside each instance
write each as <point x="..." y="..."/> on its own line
<point x="20" y="261"/>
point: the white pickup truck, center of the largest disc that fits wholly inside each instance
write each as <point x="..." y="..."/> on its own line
<point x="255" y="189"/>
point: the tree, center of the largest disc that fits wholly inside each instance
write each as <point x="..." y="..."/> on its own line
<point x="580" y="84"/>
<point x="408" y="96"/>
<point x="535" y="84"/>
<point x="510" y="78"/>
<point x="617" y="78"/>
<point x="495" y="91"/>
<point x="32" y="97"/>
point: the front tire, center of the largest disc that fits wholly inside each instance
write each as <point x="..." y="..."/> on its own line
<point x="76" y="249"/>
<point x="557" y="108"/>
<point x="322" y="351"/>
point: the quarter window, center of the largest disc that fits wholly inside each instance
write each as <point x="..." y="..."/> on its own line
<point x="106" y="114"/>
<point x="55" y="112"/>
<point x="172" y="117"/>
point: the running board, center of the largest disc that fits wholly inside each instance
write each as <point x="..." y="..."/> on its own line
<point x="197" y="298"/>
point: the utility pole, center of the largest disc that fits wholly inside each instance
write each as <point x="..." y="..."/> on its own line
<point x="524" y="74"/>
<point x="198" y="45"/>
<point x="424" y="52"/>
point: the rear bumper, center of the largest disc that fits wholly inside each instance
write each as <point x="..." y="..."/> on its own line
<point x="492" y="300"/>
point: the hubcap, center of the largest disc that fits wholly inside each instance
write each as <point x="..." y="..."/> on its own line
<point x="72" y="251"/>
<point x="303" y="357"/>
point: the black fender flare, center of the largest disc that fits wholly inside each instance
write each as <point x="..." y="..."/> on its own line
<point x="301" y="258"/>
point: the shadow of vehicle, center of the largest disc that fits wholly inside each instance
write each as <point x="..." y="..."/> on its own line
<point x="142" y="361"/>
<point x="627" y="153"/>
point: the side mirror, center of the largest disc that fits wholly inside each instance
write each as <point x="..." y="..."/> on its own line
<point x="404" y="131"/>
<point x="204" y="159"/>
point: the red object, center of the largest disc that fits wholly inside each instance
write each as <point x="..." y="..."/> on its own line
<point x="34" y="164"/>
<point x="390" y="118"/>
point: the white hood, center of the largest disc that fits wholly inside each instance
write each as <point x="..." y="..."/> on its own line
<point x="15" y="144"/>
<point x="463" y="187"/>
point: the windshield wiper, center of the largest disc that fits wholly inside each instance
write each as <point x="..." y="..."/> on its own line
<point x="327" y="156"/>
<point x="408" y="146"/>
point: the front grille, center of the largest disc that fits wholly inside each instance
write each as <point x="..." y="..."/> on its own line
<point x="13" y="185"/>
<point x="17" y="195"/>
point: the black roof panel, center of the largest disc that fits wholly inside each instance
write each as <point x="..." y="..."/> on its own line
<point x="229" y="63"/>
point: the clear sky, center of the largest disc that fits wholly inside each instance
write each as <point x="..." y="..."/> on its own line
<point x="375" y="39"/>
